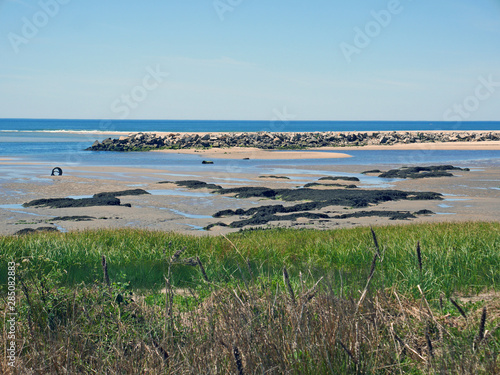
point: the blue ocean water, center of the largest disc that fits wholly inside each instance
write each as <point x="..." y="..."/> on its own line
<point x="235" y="126"/>
<point x="63" y="142"/>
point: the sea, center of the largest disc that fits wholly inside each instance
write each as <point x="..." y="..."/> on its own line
<point x="62" y="143"/>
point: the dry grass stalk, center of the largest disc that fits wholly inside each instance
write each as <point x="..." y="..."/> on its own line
<point x="30" y="306"/>
<point x="286" y="279"/>
<point x="457" y="306"/>
<point x="375" y="241"/>
<point x="429" y="344"/>
<point x="105" y="270"/>
<point x="370" y="276"/>
<point x="169" y="298"/>
<point x="202" y="269"/>
<point x="482" y="324"/>
<point x="429" y="310"/>
<point x="348" y="352"/>
<point x="309" y="295"/>
<point x="163" y="353"/>
<point x="237" y="358"/>
<point x="419" y="256"/>
<point x="177" y="254"/>
<point x="249" y="266"/>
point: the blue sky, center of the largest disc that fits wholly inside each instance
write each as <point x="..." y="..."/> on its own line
<point x="247" y="59"/>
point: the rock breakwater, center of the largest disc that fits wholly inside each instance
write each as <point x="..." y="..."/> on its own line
<point x="269" y="141"/>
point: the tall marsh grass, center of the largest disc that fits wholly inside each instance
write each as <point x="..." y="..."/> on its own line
<point x="258" y="302"/>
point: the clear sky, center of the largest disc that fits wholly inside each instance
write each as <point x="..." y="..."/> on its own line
<point x="249" y="59"/>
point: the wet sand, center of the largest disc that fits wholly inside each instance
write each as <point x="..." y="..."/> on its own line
<point x="473" y="195"/>
<point x="256" y="153"/>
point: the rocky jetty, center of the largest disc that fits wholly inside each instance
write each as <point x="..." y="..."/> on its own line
<point x="268" y="140"/>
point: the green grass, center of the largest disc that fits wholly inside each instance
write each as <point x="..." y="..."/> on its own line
<point x="460" y="257"/>
<point x="69" y="320"/>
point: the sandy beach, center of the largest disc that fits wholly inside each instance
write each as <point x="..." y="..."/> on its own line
<point x="256" y="153"/>
<point x="486" y="145"/>
<point x="167" y="206"/>
<point x="327" y="152"/>
<point x="471" y="195"/>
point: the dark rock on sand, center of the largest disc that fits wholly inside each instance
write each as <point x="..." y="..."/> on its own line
<point x="336" y="178"/>
<point x="272" y="209"/>
<point x="312" y="184"/>
<point x="318" y="199"/>
<point x="26" y="231"/>
<point x="210" y="226"/>
<point x="337" y="197"/>
<point x="105" y="200"/>
<point x="250" y="192"/>
<point x="260" y="219"/>
<point x="392" y="215"/>
<point x="73" y="218"/>
<point x="424" y="212"/>
<point x="277" y="177"/>
<point x="193" y="184"/>
<point x="122" y="193"/>
<point x="422" y="172"/>
<point x="100" y="199"/>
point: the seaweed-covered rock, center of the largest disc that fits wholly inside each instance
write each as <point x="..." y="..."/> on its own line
<point x="340" y="197"/>
<point x="122" y="193"/>
<point x="219" y="224"/>
<point x="195" y="184"/>
<point x="337" y="178"/>
<point x="105" y="200"/>
<point x="424" y="212"/>
<point x="73" y="218"/>
<point x="264" y="219"/>
<point x="250" y="192"/>
<point x="26" y="231"/>
<point x="318" y="199"/>
<point x="100" y="199"/>
<point x="312" y="184"/>
<point x="392" y="215"/>
<point x="422" y="172"/>
<point x="276" y="177"/>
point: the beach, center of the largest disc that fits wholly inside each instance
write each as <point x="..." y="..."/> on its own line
<point x="320" y="187"/>
<point x="327" y="152"/>
<point x="467" y="195"/>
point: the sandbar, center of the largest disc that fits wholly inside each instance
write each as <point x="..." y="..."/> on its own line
<point x="256" y="153"/>
<point x="482" y="146"/>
